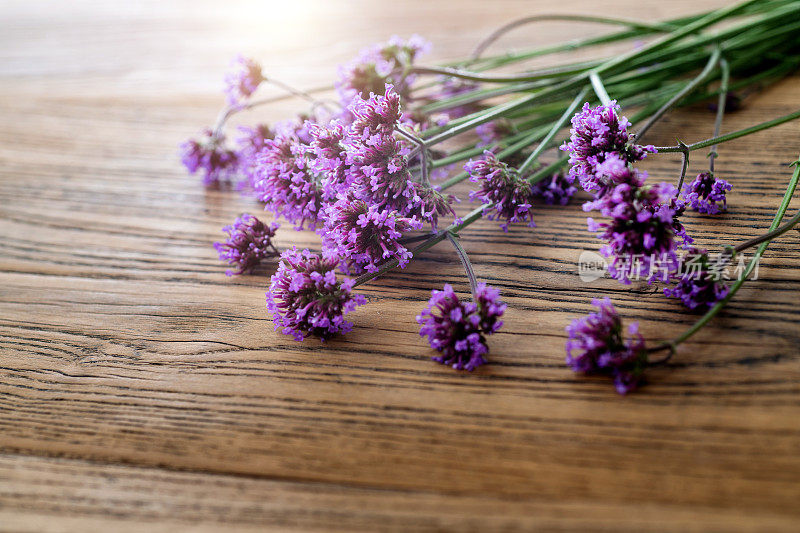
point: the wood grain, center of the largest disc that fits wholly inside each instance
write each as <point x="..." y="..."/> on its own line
<point x="142" y="389"/>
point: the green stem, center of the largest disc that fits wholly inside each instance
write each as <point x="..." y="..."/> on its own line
<point x="787" y="197"/>
<point x="432" y="241"/>
<point x="483" y="45"/>
<point x="723" y="96"/>
<point x="771" y="235"/>
<point x="599" y="89"/>
<point x="462" y="255"/>
<point x="553" y="131"/>
<point x="691" y="86"/>
<point x="731" y="136"/>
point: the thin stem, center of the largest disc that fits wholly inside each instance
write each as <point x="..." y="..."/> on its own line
<point x="731" y="136"/>
<point x="556" y="127"/>
<point x="684" y="166"/>
<point x="771" y="235"/>
<point x="712" y="62"/>
<point x="483" y="45"/>
<point x="462" y="254"/>
<point x="599" y="88"/>
<point x="423" y="153"/>
<point x="228" y="111"/>
<point x="723" y="96"/>
<point x="432" y="241"/>
<point x="787" y="197"/>
<point x="545" y="172"/>
<point x="507" y="78"/>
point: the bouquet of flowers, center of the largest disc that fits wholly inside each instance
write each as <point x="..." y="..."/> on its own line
<point x="371" y="172"/>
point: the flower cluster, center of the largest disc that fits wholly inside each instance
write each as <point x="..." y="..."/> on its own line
<point x="379" y="65"/>
<point x="249" y="242"/>
<point x="704" y="193"/>
<point x="306" y="298"/>
<point x="243" y="80"/>
<point x="596" y="346"/>
<point x="211" y="156"/>
<point x="640" y="234"/>
<point x="457" y="329"/>
<point x="556" y="189"/>
<point x="598" y="133"/>
<point x="251" y="142"/>
<point x="364" y="234"/>
<point x="285" y="182"/>
<point x="506" y="194"/>
<point x="700" y="282"/>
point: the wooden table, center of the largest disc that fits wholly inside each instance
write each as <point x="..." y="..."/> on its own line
<point x="141" y="389"/>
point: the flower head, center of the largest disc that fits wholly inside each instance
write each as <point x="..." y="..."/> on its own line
<point x="378" y="65"/>
<point x="305" y="297"/>
<point x="249" y="242"/>
<point x="700" y="283"/>
<point x="243" y="80"/>
<point x="458" y="329"/>
<point x="366" y="235"/>
<point x="640" y="234"/>
<point x="554" y="190"/>
<point x="251" y="143"/>
<point x="595" y="345"/>
<point x="704" y="192"/>
<point x="597" y="133"/>
<point x="285" y="182"/>
<point x="210" y="155"/>
<point x="506" y="194"/>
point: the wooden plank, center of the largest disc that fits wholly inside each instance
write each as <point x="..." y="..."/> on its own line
<point x="139" y="385"/>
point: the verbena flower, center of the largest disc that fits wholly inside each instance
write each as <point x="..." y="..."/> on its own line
<point x="597" y="133"/>
<point x="330" y="152"/>
<point x="305" y="297"/>
<point x="705" y="192"/>
<point x="596" y="346"/>
<point x="378" y="65"/>
<point x="506" y="194"/>
<point x="458" y="329"/>
<point x="365" y="235"/>
<point x="251" y="142"/>
<point x="211" y="156"/>
<point x="376" y="162"/>
<point x="249" y="242"/>
<point x="285" y="182"/>
<point x="243" y="80"/>
<point x="556" y="189"/>
<point x="640" y="234"/>
<point x="701" y="281"/>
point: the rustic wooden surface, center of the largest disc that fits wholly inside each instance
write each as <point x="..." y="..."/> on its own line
<point x="141" y="389"/>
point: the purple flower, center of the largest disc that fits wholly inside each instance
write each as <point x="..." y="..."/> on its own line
<point x="285" y="182"/>
<point x="597" y="133"/>
<point x="596" y="346"/>
<point x="704" y="192"/>
<point x="378" y="65"/>
<point x="243" y="80"/>
<point x="700" y="281"/>
<point x="506" y="194"/>
<point x="305" y="298"/>
<point x="249" y="242"/>
<point x="376" y="115"/>
<point x="251" y="143"/>
<point x="640" y="234"/>
<point x="376" y="162"/>
<point x="330" y="153"/>
<point x="210" y="155"/>
<point x="458" y="329"/>
<point x="364" y="234"/>
<point x="494" y="131"/>
<point x="554" y="190"/>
